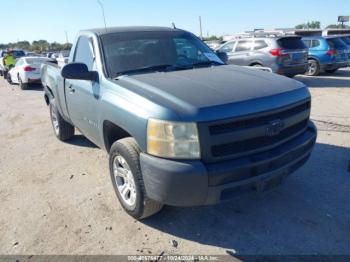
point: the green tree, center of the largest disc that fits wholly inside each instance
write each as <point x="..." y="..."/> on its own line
<point x="309" y="25"/>
<point x="40" y="46"/>
<point x="337" y="26"/>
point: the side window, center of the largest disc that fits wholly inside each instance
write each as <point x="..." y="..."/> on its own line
<point x="260" y="44"/>
<point x="245" y="45"/>
<point x="227" y="47"/>
<point x="315" y="43"/>
<point x="84" y="52"/>
<point x="188" y="49"/>
<point x="307" y="43"/>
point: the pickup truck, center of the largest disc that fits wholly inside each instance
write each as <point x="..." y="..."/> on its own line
<point x="181" y="127"/>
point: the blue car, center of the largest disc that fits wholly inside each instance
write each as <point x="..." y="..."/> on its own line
<point x="326" y="54"/>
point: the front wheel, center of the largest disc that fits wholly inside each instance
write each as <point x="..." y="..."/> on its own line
<point x="62" y="129"/>
<point x="126" y="175"/>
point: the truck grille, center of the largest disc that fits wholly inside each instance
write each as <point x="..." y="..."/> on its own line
<point x="234" y="138"/>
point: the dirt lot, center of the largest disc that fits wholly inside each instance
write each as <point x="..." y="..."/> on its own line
<point x="56" y="198"/>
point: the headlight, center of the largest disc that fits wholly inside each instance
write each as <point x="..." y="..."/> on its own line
<point x="172" y="139"/>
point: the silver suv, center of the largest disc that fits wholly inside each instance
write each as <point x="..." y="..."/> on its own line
<point x="285" y="55"/>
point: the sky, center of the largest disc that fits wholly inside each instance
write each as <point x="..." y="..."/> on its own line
<point x="50" y="19"/>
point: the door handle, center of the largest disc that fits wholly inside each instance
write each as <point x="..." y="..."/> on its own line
<point x="71" y="89"/>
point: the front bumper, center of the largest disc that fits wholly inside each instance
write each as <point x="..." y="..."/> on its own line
<point x="193" y="183"/>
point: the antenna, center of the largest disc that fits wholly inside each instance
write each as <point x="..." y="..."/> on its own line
<point x="103" y="13"/>
<point x="173" y="24"/>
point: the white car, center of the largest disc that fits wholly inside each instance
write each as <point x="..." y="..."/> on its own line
<point x="27" y="71"/>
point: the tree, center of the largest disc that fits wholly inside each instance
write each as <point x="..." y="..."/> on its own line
<point x="337" y="26"/>
<point x="40" y="46"/>
<point x="309" y="25"/>
<point x="37" y="46"/>
<point x="212" y="38"/>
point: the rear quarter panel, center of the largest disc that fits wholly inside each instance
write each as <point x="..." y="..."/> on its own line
<point x="53" y="84"/>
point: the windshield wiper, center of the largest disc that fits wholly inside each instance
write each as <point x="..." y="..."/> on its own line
<point x="145" y="69"/>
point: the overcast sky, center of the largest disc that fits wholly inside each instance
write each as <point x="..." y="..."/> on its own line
<point x="49" y="19"/>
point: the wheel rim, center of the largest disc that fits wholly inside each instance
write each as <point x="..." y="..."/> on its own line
<point x="124" y="181"/>
<point x="312" y="68"/>
<point x="54" y="120"/>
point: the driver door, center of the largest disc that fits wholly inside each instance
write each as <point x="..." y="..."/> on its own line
<point x="83" y="96"/>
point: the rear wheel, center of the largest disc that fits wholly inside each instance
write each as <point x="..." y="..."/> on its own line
<point x="314" y="68"/>
<point x="126" y="175"/>
<point x="8" y="78"/>
<point x="62" y="129"/>
<point x="22" y="85"/>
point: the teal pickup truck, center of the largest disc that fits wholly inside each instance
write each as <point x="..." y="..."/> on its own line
<point x="181" y="127"/>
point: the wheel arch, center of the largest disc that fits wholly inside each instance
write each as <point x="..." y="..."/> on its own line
<point x="112" y="133"/>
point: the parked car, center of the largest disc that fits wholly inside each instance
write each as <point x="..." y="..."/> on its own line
<point x="17" y="54"/>
<point x="346" y="40"/>
<point x="181" y="127"/>
<point x="285" y="55"/>
<point x="27" y="71"/>
<point x="326" y="54"/>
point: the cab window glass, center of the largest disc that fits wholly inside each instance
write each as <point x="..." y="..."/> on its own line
<point x="84" y="53"/>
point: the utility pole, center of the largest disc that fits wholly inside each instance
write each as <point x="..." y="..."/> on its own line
<point x="200" y="27"/>
<point x="66" y="37"/>
<point x="103" y="13"/>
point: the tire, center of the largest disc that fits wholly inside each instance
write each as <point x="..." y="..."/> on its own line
<point x="1" y="73"/>
<point x="22" y="85"/>
<point x="62" y="129"/>
<point x="4" y="74"/>
<point x="331" y="71"/>
<point x="9" y="80"/>
<point x="314" y="68"/>
<point x="125" y="154"/>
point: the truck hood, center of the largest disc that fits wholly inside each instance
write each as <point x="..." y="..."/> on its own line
<point x="189" y="92"/>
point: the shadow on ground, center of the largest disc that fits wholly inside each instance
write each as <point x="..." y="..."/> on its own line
<point x="339" y="79"/>
<point x="308" y="214"/>
<point x="31" y="87"/>
<point x="80" y="140"/>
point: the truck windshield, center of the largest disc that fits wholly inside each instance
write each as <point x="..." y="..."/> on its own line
<point x="140" y="52"/>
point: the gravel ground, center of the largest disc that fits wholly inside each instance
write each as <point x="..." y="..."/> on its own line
<point x="57" y="198"/>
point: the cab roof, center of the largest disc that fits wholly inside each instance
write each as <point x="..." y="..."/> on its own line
<point x="123" y="29"/>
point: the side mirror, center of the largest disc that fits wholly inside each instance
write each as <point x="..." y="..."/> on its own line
<point x="78" y="71"/>
<point x="222" y="55"/>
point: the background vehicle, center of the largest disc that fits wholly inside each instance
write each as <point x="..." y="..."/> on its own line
<point x="16" y="52"/>
<point x="326" y="54"/>
<point x="346" y="40"/>
<point x="134" y="91"/>
<point x="27" y="71"/>
<point x="285" y="55"/>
